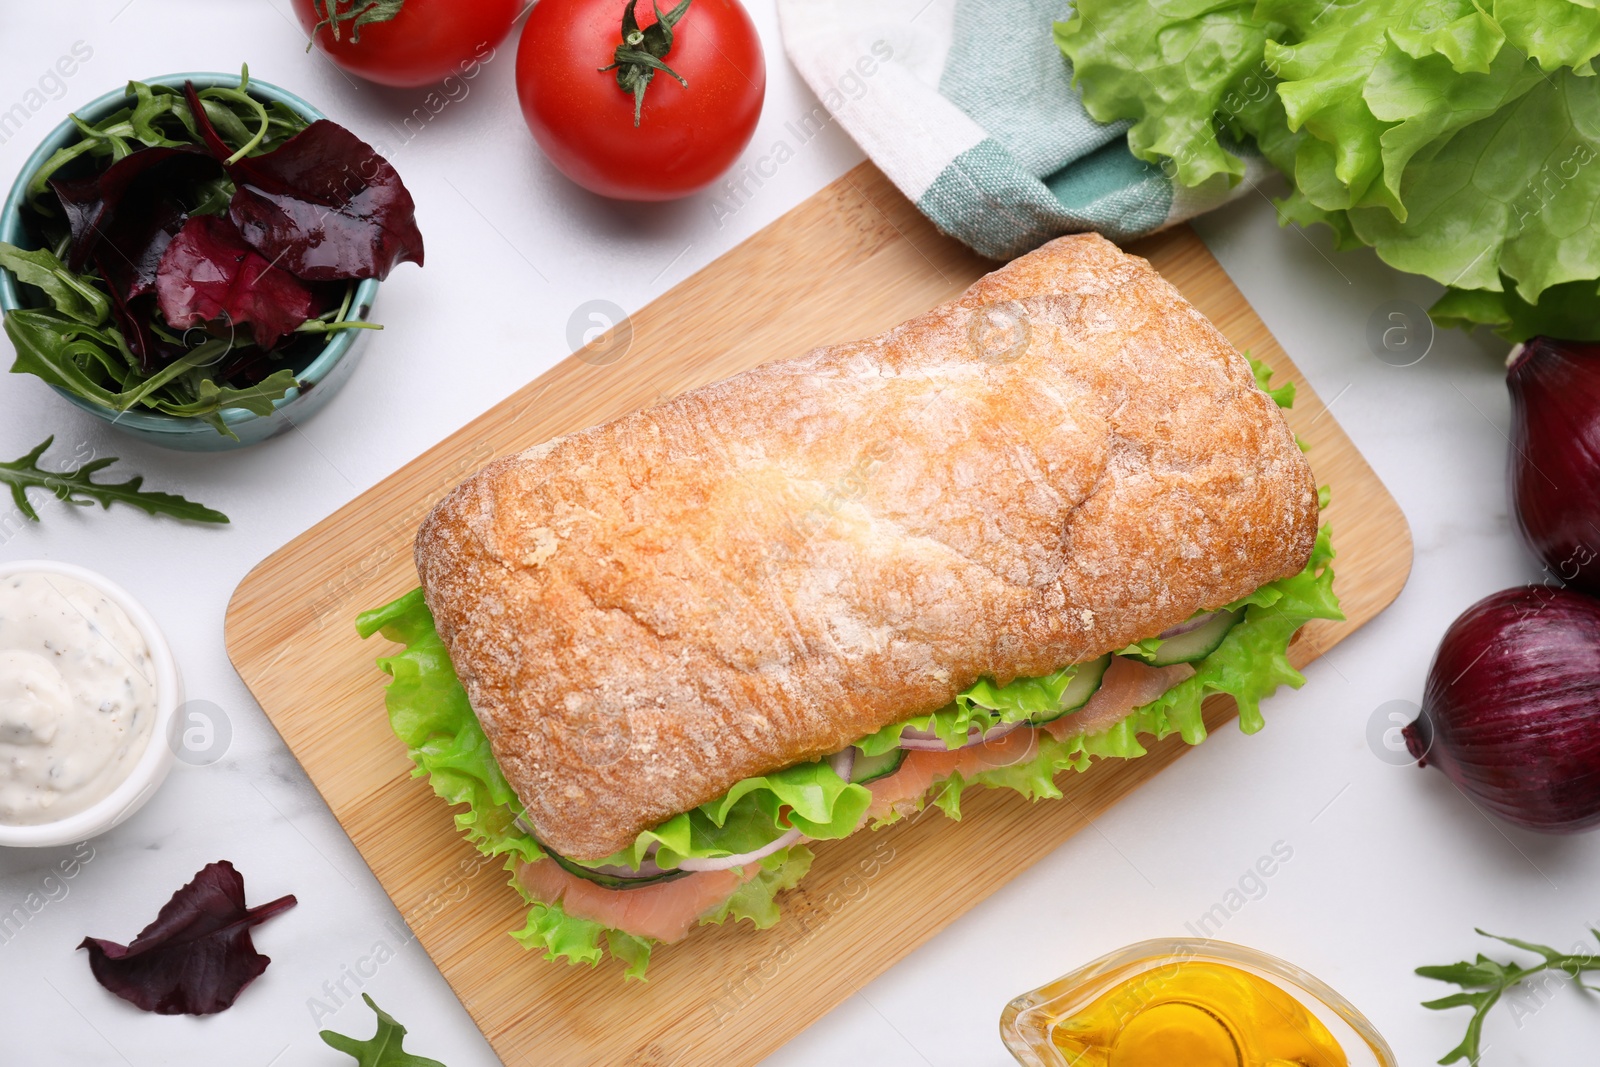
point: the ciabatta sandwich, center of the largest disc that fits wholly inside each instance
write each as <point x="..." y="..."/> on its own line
<point x="657" y="656"/>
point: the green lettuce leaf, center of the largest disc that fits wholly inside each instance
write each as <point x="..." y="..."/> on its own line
<point x="429" y="712"/>
<point x="984" y="705"/>
<point x="1376" y="83"/>
<point x="1249" y="665"/>
<point x="1555" y="33"/>
<point x="1570" y="311"/>
<point x="1176" y="68"/>
<point x="561" y="936"/>
<point x="1511" y="195"/>
<point x="755" y="899"/>
<point x="1453" y="137"/>
<point x="753" y="814"/>
<point x="1282" y="395"/>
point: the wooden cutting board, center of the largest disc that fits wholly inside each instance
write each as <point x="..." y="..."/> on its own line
<point x="850" y="262"/>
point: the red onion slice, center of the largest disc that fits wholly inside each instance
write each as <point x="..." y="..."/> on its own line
<point x="928" y="741"/>
<point x="999" y="730"/>
<point x="844" y="763"/>
<point x="1189" y="626"/>
<point x="723" y="863"/>
<point x="648" y="868"/>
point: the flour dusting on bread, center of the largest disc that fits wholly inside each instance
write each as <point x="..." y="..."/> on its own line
<point x="766" y="569"/>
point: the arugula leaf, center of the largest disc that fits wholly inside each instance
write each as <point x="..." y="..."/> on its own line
<point x="1484" y="981"/>
<point x="211" y="398"/>
<point x="73" y="295"/>
<point x="382" y="1049"/>
<point x="79" y="488"/>
<point x="68" y="355"/>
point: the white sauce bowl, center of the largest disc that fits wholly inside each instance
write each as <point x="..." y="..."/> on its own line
<point x="156" y="760"/>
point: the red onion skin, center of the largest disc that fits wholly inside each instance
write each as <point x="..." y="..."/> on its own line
<point x="928" y="741"/>
<point x="1511" y="712"/>
<point x="1555" y="456"/>
<point x="1189" y="626"/>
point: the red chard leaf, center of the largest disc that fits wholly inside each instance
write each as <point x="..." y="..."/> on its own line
<point x="119" y="206"/>
<point x="197" y="956"/>
<point x="132" y="317"/>
<point x="330" y="205"/>
<point x="210" y="275"/>
<point x="324" y="205"/>
<point x="133" y="246"/>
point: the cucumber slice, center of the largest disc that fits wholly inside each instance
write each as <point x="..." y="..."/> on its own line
<point x="1085" y="683"/>
<point x="871" y="768"/>
<point x="1197" y="643"/>
<point x="611" y="881"/>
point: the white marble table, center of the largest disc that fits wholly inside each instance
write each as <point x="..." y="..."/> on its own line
<point x="1390" y="869"/>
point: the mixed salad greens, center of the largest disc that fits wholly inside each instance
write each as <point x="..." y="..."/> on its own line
<point x="1453" y="137"/>
<point x="429" y="711"/>
<point x="196" y="248"/>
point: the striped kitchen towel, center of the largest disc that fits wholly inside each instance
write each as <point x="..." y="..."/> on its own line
<point x="968" y="107"/>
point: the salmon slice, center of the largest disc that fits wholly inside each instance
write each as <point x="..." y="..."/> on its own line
<point x="922" y="769"/>
<point x="1127" y="684"/>
<point x="663" y="911"/>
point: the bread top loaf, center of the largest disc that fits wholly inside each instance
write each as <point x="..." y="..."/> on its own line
<point x="762" y="571"/>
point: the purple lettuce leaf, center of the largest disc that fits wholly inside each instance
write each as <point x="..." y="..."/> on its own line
<point x="210" y="275"/>
<point x="324" y="205"/>
<point x="134" y="244"/>
<point x="132" y="318"/>
<point x="197" y="957"/>
<point x="127" y="207"/>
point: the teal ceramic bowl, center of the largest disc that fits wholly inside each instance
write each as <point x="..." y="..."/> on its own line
<point x="326" y="372"/>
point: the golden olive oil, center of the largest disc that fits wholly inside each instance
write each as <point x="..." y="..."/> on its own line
<point x="1198" y="1014"/>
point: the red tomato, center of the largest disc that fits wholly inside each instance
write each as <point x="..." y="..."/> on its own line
<point x="686" y="136"/>
<point x="425" y="42"/>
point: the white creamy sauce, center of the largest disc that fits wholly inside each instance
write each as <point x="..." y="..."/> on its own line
<point x="77" y="697"/>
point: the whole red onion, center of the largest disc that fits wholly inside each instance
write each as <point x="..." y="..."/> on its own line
<point x="1511" y="712"/>
<point x="1555" y="456"/>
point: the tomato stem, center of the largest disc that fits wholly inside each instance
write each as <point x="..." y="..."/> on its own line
<point x="356" y="12"/>
<point x="642" y="52"/>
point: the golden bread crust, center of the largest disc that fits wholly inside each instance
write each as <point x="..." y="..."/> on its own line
<point x="1066" y="459"/>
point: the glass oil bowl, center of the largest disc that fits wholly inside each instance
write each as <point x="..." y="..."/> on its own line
<point x="1027" y="1023"/>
